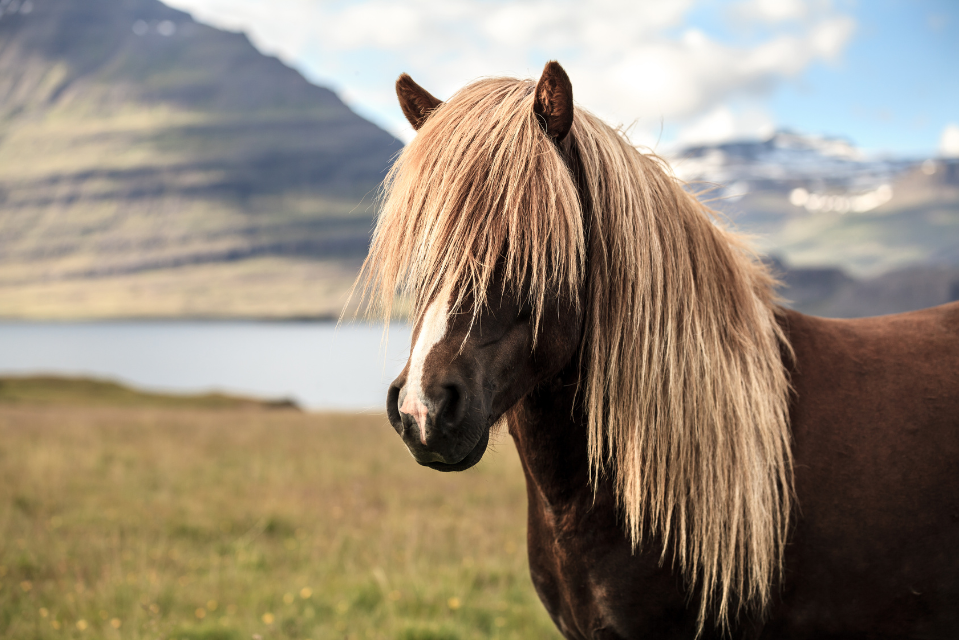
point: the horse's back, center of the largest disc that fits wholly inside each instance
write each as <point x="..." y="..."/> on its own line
<point x="875" y="420"/>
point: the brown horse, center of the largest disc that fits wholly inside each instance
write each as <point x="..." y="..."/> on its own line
<point x="699" y="460"/>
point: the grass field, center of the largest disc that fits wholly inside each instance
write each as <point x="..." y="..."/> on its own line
<point x="208" y="519"/>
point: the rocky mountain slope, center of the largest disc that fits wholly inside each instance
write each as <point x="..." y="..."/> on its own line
<point x="850" y="235"/>
<point x="152" y="165"/>
<point x="820" y="202"/>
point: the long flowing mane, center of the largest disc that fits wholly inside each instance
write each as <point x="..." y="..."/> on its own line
<point x="685" y="388"/>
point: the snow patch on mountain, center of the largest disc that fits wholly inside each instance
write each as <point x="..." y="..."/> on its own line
<point x="818" y="173"/>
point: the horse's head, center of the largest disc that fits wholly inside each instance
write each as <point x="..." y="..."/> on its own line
<point x="467" y="369"/>
<point x="482" y="342"/>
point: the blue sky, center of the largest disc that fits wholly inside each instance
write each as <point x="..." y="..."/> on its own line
<point x="882" y="73"/>
<point x="896" y="86"/>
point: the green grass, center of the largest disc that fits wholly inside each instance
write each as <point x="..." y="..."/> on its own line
<point x="152" y="520"/>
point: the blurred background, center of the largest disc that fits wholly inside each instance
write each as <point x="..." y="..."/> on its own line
<point x="187" y="190"/>
<point x="220" y="160"/>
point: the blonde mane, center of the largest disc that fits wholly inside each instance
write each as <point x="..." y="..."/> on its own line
<point x="685" y="388"/>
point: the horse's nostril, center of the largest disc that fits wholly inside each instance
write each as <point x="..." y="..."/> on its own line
<point x="408" y="423"/>
<point x="454" y="403"/>
<point x="393" y="408"/>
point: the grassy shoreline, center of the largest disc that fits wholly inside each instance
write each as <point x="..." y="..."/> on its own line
<point x="221" y="522"/>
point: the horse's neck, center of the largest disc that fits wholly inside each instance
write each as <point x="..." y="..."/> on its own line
<point x="551" y="438"/>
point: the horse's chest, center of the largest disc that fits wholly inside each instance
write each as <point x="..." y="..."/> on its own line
<point x="592" y="584"/>
<point x="561" y="573"/>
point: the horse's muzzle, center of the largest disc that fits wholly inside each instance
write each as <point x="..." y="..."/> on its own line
<point x="438" y="430"/>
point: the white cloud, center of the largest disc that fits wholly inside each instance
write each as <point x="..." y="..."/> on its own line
<point x="829" y="37"/>
<point x="722" y="123"/>
<point x="771" y="10"/>
<point x="623" y="56"/>
<point x="949" y="141"/>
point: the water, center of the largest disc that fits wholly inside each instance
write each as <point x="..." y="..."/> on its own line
<point x="317" y="364"/>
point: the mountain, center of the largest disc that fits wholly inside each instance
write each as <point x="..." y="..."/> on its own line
<point x="154" y="166"/>
<point x="820" y="202"/>
<point x="850" y="235"/>
<point x="832" y="292"/>
<point x="786" y="159"/>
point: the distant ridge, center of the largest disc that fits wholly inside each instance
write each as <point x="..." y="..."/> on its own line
<point x="85" y="392"/>
<point x="789" y="158"/>
<point x="849" y="235"/>
<point x="820" y="202"/>
<point x="154" y="166"/>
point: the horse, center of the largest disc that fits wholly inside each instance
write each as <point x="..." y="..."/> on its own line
<point x="700" y="460"/>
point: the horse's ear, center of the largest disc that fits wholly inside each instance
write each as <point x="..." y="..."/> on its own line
<point x="416" y="102"/>
<point x="554" y="101"/>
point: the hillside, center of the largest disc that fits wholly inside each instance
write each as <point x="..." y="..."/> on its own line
<point x="850" y="235"/>
<point x="819" y="202"/>
<point x="154" y="166"/>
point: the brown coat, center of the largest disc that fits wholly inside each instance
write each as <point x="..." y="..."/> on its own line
<point x="874" y="551"/>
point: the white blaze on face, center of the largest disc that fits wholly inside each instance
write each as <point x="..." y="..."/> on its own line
<point x="431" y="332"/>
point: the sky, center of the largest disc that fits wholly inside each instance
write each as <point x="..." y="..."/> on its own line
<point x="882" y="73"/>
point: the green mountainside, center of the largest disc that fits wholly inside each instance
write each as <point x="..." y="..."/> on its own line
<point x="154" y="166"/>
<point x="900" y="256"/>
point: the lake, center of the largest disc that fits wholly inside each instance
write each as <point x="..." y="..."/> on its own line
<point x="317" y="364"/>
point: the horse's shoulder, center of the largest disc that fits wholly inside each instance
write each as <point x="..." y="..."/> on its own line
<point x="868" y="374"/>
<point x="875" y="441"/>
<point x="932" y="332"/>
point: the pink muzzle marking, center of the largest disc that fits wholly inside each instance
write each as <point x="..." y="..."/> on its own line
<point x="413" y="407"/>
